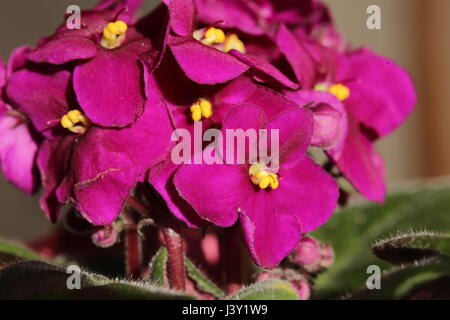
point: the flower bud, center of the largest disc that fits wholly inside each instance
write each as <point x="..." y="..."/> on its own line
<point x="303" y="289"/>
<point x="308" y="253"/>
<point x="327" y="256"/>
<point x="105" y="237"/>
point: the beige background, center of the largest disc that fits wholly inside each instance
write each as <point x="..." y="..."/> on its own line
<point x="416" y="33"/>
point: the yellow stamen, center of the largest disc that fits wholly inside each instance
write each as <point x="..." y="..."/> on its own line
<point x="233" y="42"/>
<point x="114" y="34"/>
<point x="202" y="108"/>
<point x="75" y="121"/>
<point x="262" y="177"/>
<point x="339" y="90"/>
<point x="213" y="36"/>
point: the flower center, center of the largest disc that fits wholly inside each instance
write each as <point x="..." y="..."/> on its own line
<point x="215" y="37"/>
<point x="262" y="177"/>
<point x="75" y="121"/>
<point x="339" y="90"/>
<point x="233" y="42"/>
<point x="201" y="109"/>
<point x="114" y="34"/>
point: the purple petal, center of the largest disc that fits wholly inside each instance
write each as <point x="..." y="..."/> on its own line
<point x="41" y="94"/>
<point x="270" y="230"/>
<point x="162" y="181"/>
<point x="263" y="69"/>
<point x="127" y="15"/>
<point x="17" y="153"/>
<point x="330" y="117"/>
<point x="360" y="164"/>
<point x="297" y="56"/>
<point x="109" y="88"/>
<point x="53" y="160"/>
<point x="295" y="131"/>
<point x="108" y="163"/>
<point x="272" y="102"/>
<point x="64" y="47"/>
<point x="234" y="14"/>
<point x="214" y="191"/>
<point x="308" y="192"/>
<point x="382" y="93"/>
<point x="17" y="60"/>
<point x="203" y="64"/>
<point x="182" y="16"/>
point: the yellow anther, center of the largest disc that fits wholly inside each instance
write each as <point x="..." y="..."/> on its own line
<point x="339" y="90"/>
<point x="262" y="177"/>
<point x="233" y="42"/>
<point x="213" y="36"/>
<point x="114" y="34"/>
<point x="75" y="121"/>
<point x="202" y="108"/>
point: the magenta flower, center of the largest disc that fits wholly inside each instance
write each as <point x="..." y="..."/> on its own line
<point x="299" y="197"/>
<point x="181" y="95"/>
<point x="210" y="55"/>
<point x="378" y="97"/>
<point x="108" y="79"/>
<point x="257" y="17"/>
<point x="80" y="162"/>
<point x="18" y="144"/>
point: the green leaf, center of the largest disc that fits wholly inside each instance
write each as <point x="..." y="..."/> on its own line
<point x="39" y="280"/>
<point x="413" y="246"/>
<point x="401" y="281"/>
<point x="271" y="289"/>
<point x="121" y="290"/>
<point x="353" y="230"/>
<point x="12" y="252"/>
<point x="158" y="267"/>
<point x="202" y="282"/>
<point x="28" y="279"/>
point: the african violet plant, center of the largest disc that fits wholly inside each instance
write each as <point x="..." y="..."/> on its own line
<point x="101" y="117"/>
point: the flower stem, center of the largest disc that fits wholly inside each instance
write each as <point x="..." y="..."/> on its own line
<point x="175" y="264"/>
<point x="132" y="253"/>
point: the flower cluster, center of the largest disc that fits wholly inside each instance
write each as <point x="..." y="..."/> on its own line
<point x="88" y="114"/>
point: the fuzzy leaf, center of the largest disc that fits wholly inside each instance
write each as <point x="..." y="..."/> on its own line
<point x="13" y="252"/>
<point x="29" y="279"/>
<point x="438" y="289"/>
<point x="403" y="281"/>
<point x="271" y="289"/>
<point x="39" y="280"/>
<point x="202" y="282"/>
<point x="158" y="267"/>
<point x="413" y="246"/>
<point x="353" y="230"/>
<point x="121" y="290"/>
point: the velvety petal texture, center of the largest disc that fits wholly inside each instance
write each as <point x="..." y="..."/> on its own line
<point x="330" y="117"/>
<point x="108" y="163"/>
<point x="41" y="94"/>
<point x="360" y="163"/>
<point x="108" y="89"/>
<point x="264" y="70"/>
<point x="382" y="93"/>
<point x="271" y="224"/>
<point x="17" y="152"/>
<point x="203" y="64"/>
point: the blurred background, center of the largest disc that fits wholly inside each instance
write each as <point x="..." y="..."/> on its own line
<point x="415" y="33"/>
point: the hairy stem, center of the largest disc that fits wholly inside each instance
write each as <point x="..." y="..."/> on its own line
<point x="133" y="253"/>
<point x="175" y="263"/>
